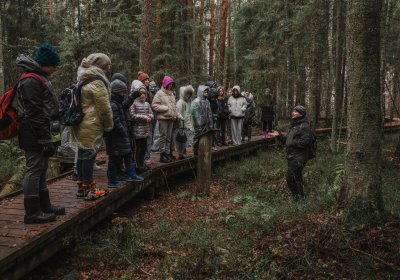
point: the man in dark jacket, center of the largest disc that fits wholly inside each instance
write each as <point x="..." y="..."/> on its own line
<point x="298" y="144"/>
<point x="37" y="106"/>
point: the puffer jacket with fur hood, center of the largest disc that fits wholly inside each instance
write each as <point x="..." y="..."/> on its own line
<point x="237" y="104"/>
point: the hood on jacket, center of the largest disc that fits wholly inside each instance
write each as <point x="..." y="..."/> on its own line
<point x="137" y="85"/>
<point x="250" y="98"/>
<point x="119" y="76"/>
<point x="200" y="91"/>
<point x="28" y="64"/>
<point x="237" y="88"/>
<point x="93" y="71"/>
<point x="167" y="81"/>
<point x="182" y="91"/>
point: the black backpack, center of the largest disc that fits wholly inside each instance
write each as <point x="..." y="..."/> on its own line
<point x="312" y="150"/>
<point x="71" y="113"/>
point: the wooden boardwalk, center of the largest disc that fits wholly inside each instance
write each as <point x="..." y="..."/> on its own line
<point x="23" y="247"/>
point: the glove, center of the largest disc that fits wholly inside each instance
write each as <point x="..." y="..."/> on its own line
<point x="48" y="149"/>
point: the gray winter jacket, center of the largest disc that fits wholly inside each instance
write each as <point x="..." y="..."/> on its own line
<point x="201" y="110"/>
<point x="237" y="105"/>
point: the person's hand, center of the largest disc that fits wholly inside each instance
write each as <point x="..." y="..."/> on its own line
<point x="148" y="120"/>
<point x="48" y="149"/>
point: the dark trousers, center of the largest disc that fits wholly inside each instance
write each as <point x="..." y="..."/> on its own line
<point x="294" y="178"/>
<point x="246" y="131"/>
<point x="84" y="165"/>
<point x="114" y="164"/>
<point x="140" y="151"/>
<point x="221" y="133"/>
<point x="35" y="174"/>
<point x="267" y="126"/>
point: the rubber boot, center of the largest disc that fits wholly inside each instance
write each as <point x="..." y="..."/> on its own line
<point x="47" y="207"/>
<point x="112" y="178"/>
<point x="33" y="213"/>
<point x="132" y="175"/>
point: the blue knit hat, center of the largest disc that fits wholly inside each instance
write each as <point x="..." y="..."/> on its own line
<point x="46" y="55"/>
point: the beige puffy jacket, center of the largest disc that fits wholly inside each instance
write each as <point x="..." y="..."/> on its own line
<point x="96" y="106"/>
<point x="165" y="106"/>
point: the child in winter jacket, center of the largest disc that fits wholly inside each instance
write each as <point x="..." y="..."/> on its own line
<point x="184" y="105"/>
<point x="248" y="116"/>
<point x="118" y="143"/>
<point x="237" y="107"/>
<point x="142" y="115"/>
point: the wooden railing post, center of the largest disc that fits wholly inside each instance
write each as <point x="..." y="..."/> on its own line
<point x="204" y="162"/>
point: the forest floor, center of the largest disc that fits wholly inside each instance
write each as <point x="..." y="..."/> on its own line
<point x="248" y="228"/>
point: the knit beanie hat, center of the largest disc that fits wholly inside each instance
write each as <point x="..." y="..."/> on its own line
<point x="119" y="76"/>
<point x="301" y="109"/>
<point x="46" y="55"/>
<point x="96" y="59"/>
<point x="142" y="76"/>
<point x="118" y="86"/>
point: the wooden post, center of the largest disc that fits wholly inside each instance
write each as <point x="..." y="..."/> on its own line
<point x="204" y="162"/>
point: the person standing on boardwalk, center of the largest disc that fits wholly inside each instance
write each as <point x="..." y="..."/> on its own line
<point x="201" y="114"/>
<point x="267" y="115"/>
<point x="167" y="114"/>
<point x="237" y="107"/>
<point x="248" y="116"/>
<point x="37" y="107"/>
<point x="298" y="141"/>
<point x="95" y="100"/>
<point x="118" y="143"/>
<point x="184" y="105"/>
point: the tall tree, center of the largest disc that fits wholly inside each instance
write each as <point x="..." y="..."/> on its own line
<point x="222" y="40"/>
<point x="362" y="180"/>
<point x="146" y="37"/>
<point x="212" y="41"/>
<point x="1" y="50"/>
<point x="339" y="71"/>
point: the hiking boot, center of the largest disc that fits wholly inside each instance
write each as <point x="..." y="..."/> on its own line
<point x="47" y="207"/>
<point x="92" y="192"/>
<point x="33" y="213"/>
<point x="171" y="156"/>
<point x="164" y="158"/>
<point x="116" y="184"/>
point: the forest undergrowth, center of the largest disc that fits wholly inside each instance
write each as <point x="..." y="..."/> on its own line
<point x="248" y="228"/>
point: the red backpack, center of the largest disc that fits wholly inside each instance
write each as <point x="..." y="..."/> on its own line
<point x="9" y="121"/>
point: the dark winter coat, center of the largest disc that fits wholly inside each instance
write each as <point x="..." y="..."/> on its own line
<point x="267" y="112"/>
<point x="117" y="140"/>
<point x="299" y="140"/>
<point x="250" y="112"/>
<point x="37" y="107"/>
<point x="223" y="109"/>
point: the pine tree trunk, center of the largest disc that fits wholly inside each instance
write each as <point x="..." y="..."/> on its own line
<point x="339" y="75"/>
<point x="146" y="37"/>
<point x="212" y="40"/>
<point x="2" y="88"/>
<point x="229" y="51"/>
<point x="362" y="180"/>
<point x="222" y="40"/>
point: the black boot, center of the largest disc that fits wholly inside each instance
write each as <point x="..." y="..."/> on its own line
<point x="171" y="157"/>
<point x="46" y="206"/>
<point x="164" y="158"/>
<point x="33" y="213"/>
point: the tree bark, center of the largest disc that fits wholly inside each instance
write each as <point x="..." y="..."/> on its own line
<point x="2" y="88"/>
<point x="212" y="40"/>
<point x="362" y="180"/>
<point x="339" y="75"/>
<point x="146" y="37"/>
<point x="222" y="40"/>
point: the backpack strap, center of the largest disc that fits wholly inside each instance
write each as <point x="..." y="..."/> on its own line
<point x="92" y="79"/>
<point x="36" y="76"/>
